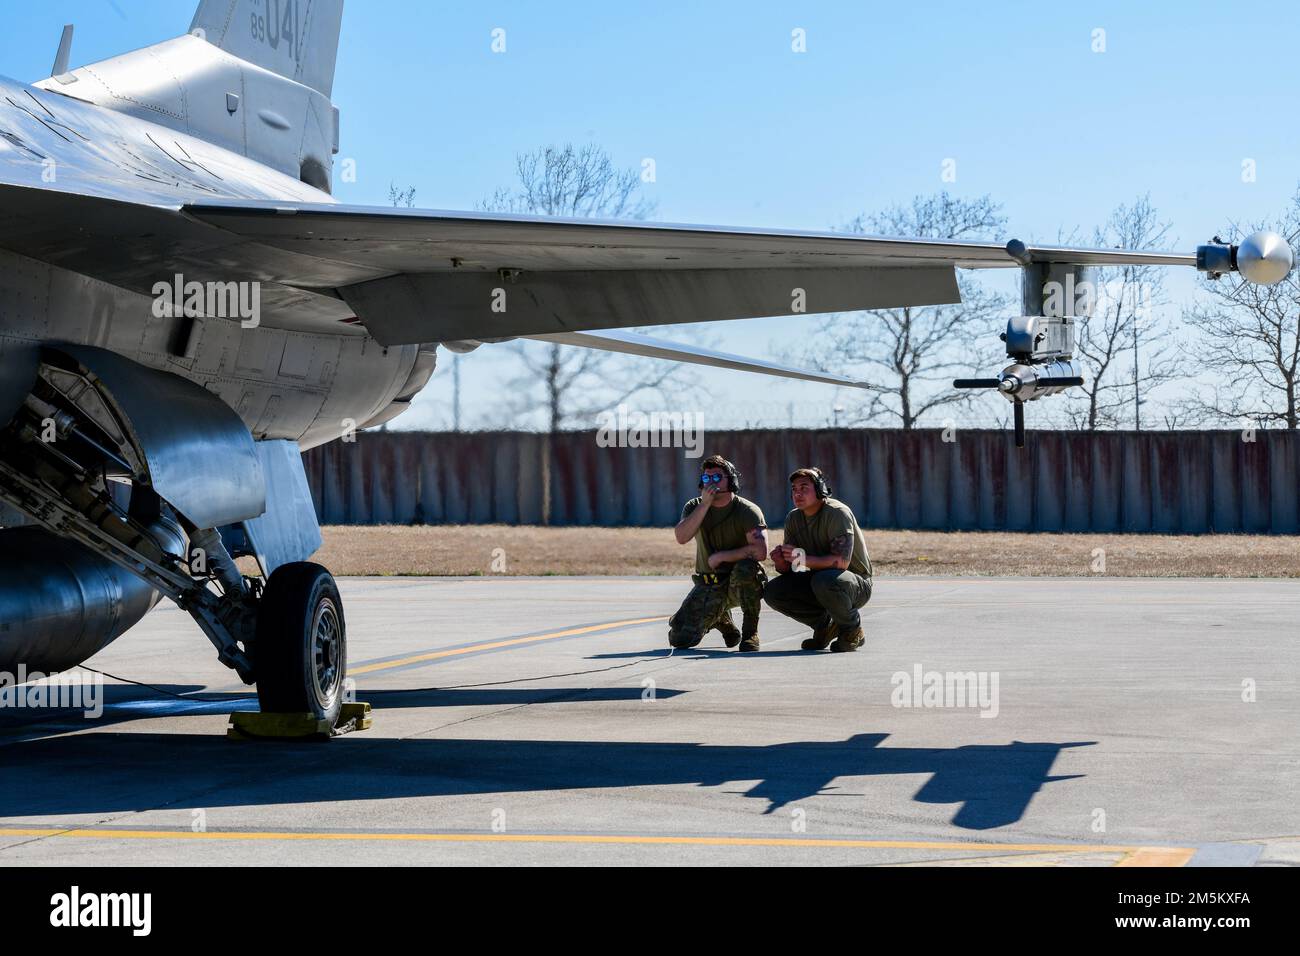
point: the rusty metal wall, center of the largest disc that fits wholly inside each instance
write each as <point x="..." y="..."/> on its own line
<point x="1181" y="482"/>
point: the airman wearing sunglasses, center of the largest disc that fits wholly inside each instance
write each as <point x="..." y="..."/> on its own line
<point x="730" y="544"/>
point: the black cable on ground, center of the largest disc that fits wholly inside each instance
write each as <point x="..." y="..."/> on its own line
<point x="167" y="693"/>
<point x="517" y="680"/>
<point x="395" y="690"/>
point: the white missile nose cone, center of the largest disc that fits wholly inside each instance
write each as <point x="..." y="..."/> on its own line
<point x="1264" y="258"/>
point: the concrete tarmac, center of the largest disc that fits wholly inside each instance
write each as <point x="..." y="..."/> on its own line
<point x="1094" y="721"/>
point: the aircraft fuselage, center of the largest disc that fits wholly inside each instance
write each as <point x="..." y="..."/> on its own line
<point x="303" y="373"/>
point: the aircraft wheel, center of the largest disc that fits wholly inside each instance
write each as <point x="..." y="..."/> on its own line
<point x="301" y="651"/>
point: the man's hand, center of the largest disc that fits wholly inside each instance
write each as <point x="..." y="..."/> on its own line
<point x="716" y="559"/>
<point x="789" y="558"/>
<point x="688" y="526"/>
<point x="781" y="556"/>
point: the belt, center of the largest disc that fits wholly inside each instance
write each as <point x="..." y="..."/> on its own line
<point x="711" y="578"/>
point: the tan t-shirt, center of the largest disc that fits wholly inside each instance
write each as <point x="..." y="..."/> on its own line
<point x="816" y="534"/>
<point x="724" y="529"/>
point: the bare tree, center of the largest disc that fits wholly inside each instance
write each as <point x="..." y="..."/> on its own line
<point x="572" y="181"/>
<point x="1250" y="343"/>
<point x="1123" y="348"/>
<point x="911" y="354"/>
<point x="401" y="197"/>
<point x="576" y="383"/>
<point x="1184" y="416"/>
<point x="579" y="383"/>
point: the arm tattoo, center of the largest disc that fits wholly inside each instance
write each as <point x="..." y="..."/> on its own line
<point x="842" y="546"/>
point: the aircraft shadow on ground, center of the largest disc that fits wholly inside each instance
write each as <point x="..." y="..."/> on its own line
<point x="129" y="703"/>
<point x="115" y="772"/>
<point x="122" y="703"/>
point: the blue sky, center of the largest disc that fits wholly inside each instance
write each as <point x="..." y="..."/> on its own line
<point x="745" y="131"/>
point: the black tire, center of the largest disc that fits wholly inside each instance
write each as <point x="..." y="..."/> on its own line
<point x="300" y="654"/>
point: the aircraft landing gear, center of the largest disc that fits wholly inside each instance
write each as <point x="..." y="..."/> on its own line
<point x="300" y="653"/>
<point x="94" y="422"/>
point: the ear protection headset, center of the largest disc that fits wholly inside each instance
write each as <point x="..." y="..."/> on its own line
<point x="733" y="476"/>
<point x="821" y="487"/>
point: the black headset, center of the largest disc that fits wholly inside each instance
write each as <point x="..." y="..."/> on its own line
<point x="733" y="476"/>
<point x="821" y="487"/>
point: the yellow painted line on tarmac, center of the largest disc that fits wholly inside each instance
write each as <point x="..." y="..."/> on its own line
<point x="493" y="645"/>
<point x="1157" y="856"/>
<point x="1172" y="856"/>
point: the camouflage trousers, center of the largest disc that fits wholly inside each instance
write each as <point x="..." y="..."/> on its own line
<point x="711" y="600"/>
<point x="815" y="598"/>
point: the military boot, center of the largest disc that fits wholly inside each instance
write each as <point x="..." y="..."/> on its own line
<point x="850" y="640"/>
<point x="822" y="637"/>
<point x="727" y="628"/>
<point x="750" y="643"/>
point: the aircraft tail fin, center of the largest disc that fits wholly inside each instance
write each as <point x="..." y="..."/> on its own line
<point x="298" y="39"/>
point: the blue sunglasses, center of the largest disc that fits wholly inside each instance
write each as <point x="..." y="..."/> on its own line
<point x="712" y="479"/>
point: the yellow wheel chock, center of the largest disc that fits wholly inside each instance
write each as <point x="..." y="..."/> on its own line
<point x="259" y="726"/>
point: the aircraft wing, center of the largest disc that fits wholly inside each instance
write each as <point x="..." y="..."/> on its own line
<point x="443" y="276"/>
<point x="413" y="276"/>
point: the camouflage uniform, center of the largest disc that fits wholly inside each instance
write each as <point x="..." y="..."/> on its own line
<point x="709" y="603"/>
<point x="820" y="598"/>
